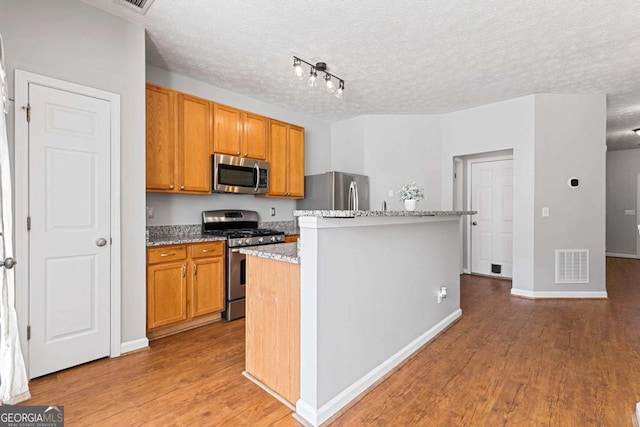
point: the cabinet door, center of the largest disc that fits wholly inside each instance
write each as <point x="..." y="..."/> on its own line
<point x="295" y="162"/>
<point x="207" y="286"/>
<point x="277" y="158"/>
<point x="166" y="294"/>
<point x="227" y="132"/>
<point x="255" y="136"/>
<point x="194" y="151"/>
<point x="161" y="138"/>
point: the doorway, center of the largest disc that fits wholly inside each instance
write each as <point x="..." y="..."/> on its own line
<point x="67" y="222"/>
<point x="486" y="251"/>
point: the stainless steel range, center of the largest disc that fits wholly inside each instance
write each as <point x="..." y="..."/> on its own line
<point x="240" y="228"/>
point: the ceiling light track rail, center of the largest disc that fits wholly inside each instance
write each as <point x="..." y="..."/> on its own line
<point x="314" y="69"/>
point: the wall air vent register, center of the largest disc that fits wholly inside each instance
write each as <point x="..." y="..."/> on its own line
<point x="140" y="6"/>
<point x="572" y="266"/>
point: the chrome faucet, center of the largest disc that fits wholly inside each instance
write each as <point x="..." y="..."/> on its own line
<point x="384" y="206"/>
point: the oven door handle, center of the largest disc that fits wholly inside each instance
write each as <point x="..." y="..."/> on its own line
<point x="257" y="168"/>
<point x="235" y="250"/>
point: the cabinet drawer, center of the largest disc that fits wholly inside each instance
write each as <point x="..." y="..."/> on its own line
<point x="209" y="249"/>
<point x="166" y="253"/>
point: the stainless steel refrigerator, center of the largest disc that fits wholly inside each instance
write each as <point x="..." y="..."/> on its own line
<point x="335" y="191"/>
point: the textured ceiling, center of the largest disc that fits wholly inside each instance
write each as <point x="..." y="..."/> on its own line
<point x="406" y="56"/>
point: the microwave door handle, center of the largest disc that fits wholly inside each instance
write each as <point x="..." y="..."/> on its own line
<point x="257" y="169"/>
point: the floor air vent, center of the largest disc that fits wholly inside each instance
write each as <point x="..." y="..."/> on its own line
<point x="572" y="266"/>
<point x="140" y="6"/>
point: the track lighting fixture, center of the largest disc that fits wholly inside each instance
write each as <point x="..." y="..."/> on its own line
<point x="313" y="76"/>
<point x="637" y="131"/>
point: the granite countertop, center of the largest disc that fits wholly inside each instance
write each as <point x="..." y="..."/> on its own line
<point x="353" y="214"/>
<point x="161" y="235"/>
<point x="180" y="238"/>
<point x="286" y="252"/>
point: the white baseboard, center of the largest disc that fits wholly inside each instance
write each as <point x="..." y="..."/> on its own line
<point x="615" y="255"/>
<point x="558" y="294"/>
<point x="466" y="271"/>
<point x="316" y="417"/>
<point x="134" y="345"/>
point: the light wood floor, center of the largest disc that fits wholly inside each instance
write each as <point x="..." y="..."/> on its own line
<point x="509" y="361"/>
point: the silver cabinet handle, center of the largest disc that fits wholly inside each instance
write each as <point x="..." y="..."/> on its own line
<point x="8" y="263"/>
<point x="184" y="270"/>
<point x="195" y="269"/>
<point x="171" y="187"/>
<point x="205" y="251"/>
<point x="167" y="254"/>
<point x="182" y="187"/>
<point x="474" y="223"/>
<point x="101" y="241"/>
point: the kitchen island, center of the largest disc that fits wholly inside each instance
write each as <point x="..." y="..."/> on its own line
<point x="368" y="298"/>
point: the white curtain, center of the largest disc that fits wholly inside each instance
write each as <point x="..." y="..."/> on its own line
<point x="14" y="385"/>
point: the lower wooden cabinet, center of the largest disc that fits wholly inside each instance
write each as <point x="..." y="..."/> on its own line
<point x="185" y="286"/>
<point x="291" y="238"/>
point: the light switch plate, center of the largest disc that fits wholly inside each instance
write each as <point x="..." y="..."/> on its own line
<point x="545" y="211"/>
<point x="390" y="194"/>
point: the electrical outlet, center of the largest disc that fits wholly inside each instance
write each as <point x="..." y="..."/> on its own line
<point x="442" y="294"/>
<point x="149" y="211"/>
<point x="390" y="194"/>
<point x="273" y="211"/>
<point x="629" y="212"/>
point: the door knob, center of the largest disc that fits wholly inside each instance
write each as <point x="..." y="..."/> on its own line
<point x="474" y="223"/>
<point x="8" y="263"/>
<point x="101" y="241"/>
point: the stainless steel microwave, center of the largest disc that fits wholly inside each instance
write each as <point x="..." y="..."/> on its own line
<point x="232" y="174"/>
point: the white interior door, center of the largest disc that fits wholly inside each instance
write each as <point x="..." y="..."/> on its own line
<point x="492" y="226"/>
<point x="69" y="207"/>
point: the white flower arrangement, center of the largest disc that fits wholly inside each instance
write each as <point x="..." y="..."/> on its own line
<point x="411" y="191"/>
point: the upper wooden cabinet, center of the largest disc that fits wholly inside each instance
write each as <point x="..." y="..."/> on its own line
<point x="162" y="141"/>
<point x="239" y="133"/>
<point x="194" y="144"/>
<point x="183" y="131"/>
<point x="178" y="142"/>
<point x="286" y="159"/>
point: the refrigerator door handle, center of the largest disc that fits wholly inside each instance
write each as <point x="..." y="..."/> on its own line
<point x="356" y="198"/>
<point x="353" y="196"/>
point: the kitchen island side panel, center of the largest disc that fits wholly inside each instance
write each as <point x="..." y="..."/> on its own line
<point x="375" y="288"/>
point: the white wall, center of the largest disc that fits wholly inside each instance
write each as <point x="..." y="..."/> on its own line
<point x="392" y="150"/>
<point x="494" y="127"/>
<point x="401" y="149"/>
<point x="623" y="167"/>
<point x="364" y="307"/>
<point x="570" y="133"/>
<point x="72" y="41"/>
<point x="186" y="209"/>
<point x="347" y="145"/>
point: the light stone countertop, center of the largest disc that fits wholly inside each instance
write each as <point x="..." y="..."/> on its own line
<point x="354" y="214"/>
<point x="182" y="238"/>
<point x="161" y="235"/>
<point x="286" y="252"/>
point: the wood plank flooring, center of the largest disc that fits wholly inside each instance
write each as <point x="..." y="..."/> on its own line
<point x="509" y="361"/>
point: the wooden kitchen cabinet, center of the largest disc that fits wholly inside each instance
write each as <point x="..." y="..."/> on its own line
<point x="286" y="159"/>
<point x="178" y="142"/>
<point x="162" y="142"/>
<point x="291" y="238"/>
<point x="194" y="144"/>
<point x="185" y="286"/>
<point x="239" y="133"/>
